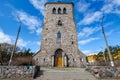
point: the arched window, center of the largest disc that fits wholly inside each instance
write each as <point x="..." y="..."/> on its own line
<point x="58" y="35"/>
<point x="64" y="11"/>
<point x="59" y="11"/>
<point x="54" y="11"/>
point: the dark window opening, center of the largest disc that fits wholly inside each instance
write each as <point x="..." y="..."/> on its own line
<point x="44" y="59"/>
<point x="73" y="60"/>
<point x="59" y="11"/>
<point x="59" y="35"/>
<point x="59" y="22"/>
<point x="45" y="40"/>
<point x="37" y="59"/>
<point x="46" y="28"/>
<point x="54" y="11"/>
<point x="72" y="42"/>
<point x="64" y="11"/>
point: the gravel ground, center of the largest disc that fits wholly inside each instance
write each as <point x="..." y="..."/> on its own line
<point x="33" y="79"/>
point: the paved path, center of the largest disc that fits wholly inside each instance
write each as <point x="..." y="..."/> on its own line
<point x="64" y="74"/>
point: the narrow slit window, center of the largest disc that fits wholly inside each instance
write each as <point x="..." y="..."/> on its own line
<point x="72" y="42"/>
<point x="44" y="59"/>
<point x="59" y="35"/>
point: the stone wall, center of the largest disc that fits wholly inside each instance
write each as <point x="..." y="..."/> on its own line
<point x="17" y="71"/>
<point x="104" y="71"/>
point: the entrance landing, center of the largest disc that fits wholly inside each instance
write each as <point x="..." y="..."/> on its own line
<point x="65" y="74"/>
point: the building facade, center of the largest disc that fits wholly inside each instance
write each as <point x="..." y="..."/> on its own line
<point x="92" y="59"/>
<point x="59" y="46"/>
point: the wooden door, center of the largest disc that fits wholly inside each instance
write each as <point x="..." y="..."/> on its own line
<point x="58" y="58"/>
<point x="59" y="61"/>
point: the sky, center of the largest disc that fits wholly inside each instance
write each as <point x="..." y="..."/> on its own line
<point x="87" y="16"/>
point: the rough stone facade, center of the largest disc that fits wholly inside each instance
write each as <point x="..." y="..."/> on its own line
<point x="59" y="46"/>
<point x="16" y="72"/>
<point x="104" y="71"/>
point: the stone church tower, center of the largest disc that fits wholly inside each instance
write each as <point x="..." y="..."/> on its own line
<point x="59" y="46"/>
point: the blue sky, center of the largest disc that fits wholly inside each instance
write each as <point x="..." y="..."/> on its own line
<point x="87" y="13"/>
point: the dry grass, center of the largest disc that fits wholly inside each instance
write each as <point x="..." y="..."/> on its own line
<point x="18" y="61"/>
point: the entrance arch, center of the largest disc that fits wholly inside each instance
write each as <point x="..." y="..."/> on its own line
<point x="58" y="58"/>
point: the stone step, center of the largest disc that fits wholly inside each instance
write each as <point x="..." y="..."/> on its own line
<point x="73" y="74"/>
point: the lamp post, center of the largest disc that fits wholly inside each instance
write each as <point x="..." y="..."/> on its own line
<point x="10" y="61"/>
<point x="110" y="56"/>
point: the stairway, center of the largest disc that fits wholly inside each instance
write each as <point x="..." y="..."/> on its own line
<point x="64" y="74"/>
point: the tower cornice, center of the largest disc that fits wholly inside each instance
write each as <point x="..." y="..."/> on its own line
<point x="59" y="3"/>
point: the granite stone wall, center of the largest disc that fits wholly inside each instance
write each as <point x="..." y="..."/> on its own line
<point x="104" y="71"/>
<point x="17" y="71"/>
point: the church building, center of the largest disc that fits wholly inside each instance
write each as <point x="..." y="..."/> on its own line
<point x="59" y="45"/>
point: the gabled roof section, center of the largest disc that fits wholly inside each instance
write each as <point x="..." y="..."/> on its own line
<point x="81" y="52"/>
<point x="36" y="53"/>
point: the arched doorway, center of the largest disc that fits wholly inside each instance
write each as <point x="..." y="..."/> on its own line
<point x="58" y="58"/>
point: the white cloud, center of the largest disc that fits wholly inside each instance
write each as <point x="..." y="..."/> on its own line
<point x="110" y="6"/>
<point x="38" y="31"/>
<point x="108" y="24"/>
<point x="32" y="22"/>
<point x="82" y="6"/>
<point x="110" y="32"/>
<point x="117" y="12"/>
<point x="116" y="2"/>
<point x="89" y="52"/>
<point x="87" y="31"/>
<point x="38" y="43"/>
<point x="39" y="4"/>
<point x="90" y="18"/>
<point x="83" y="42"/>
<point x="4" y="37"/>
<point x="22" y="43"/>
